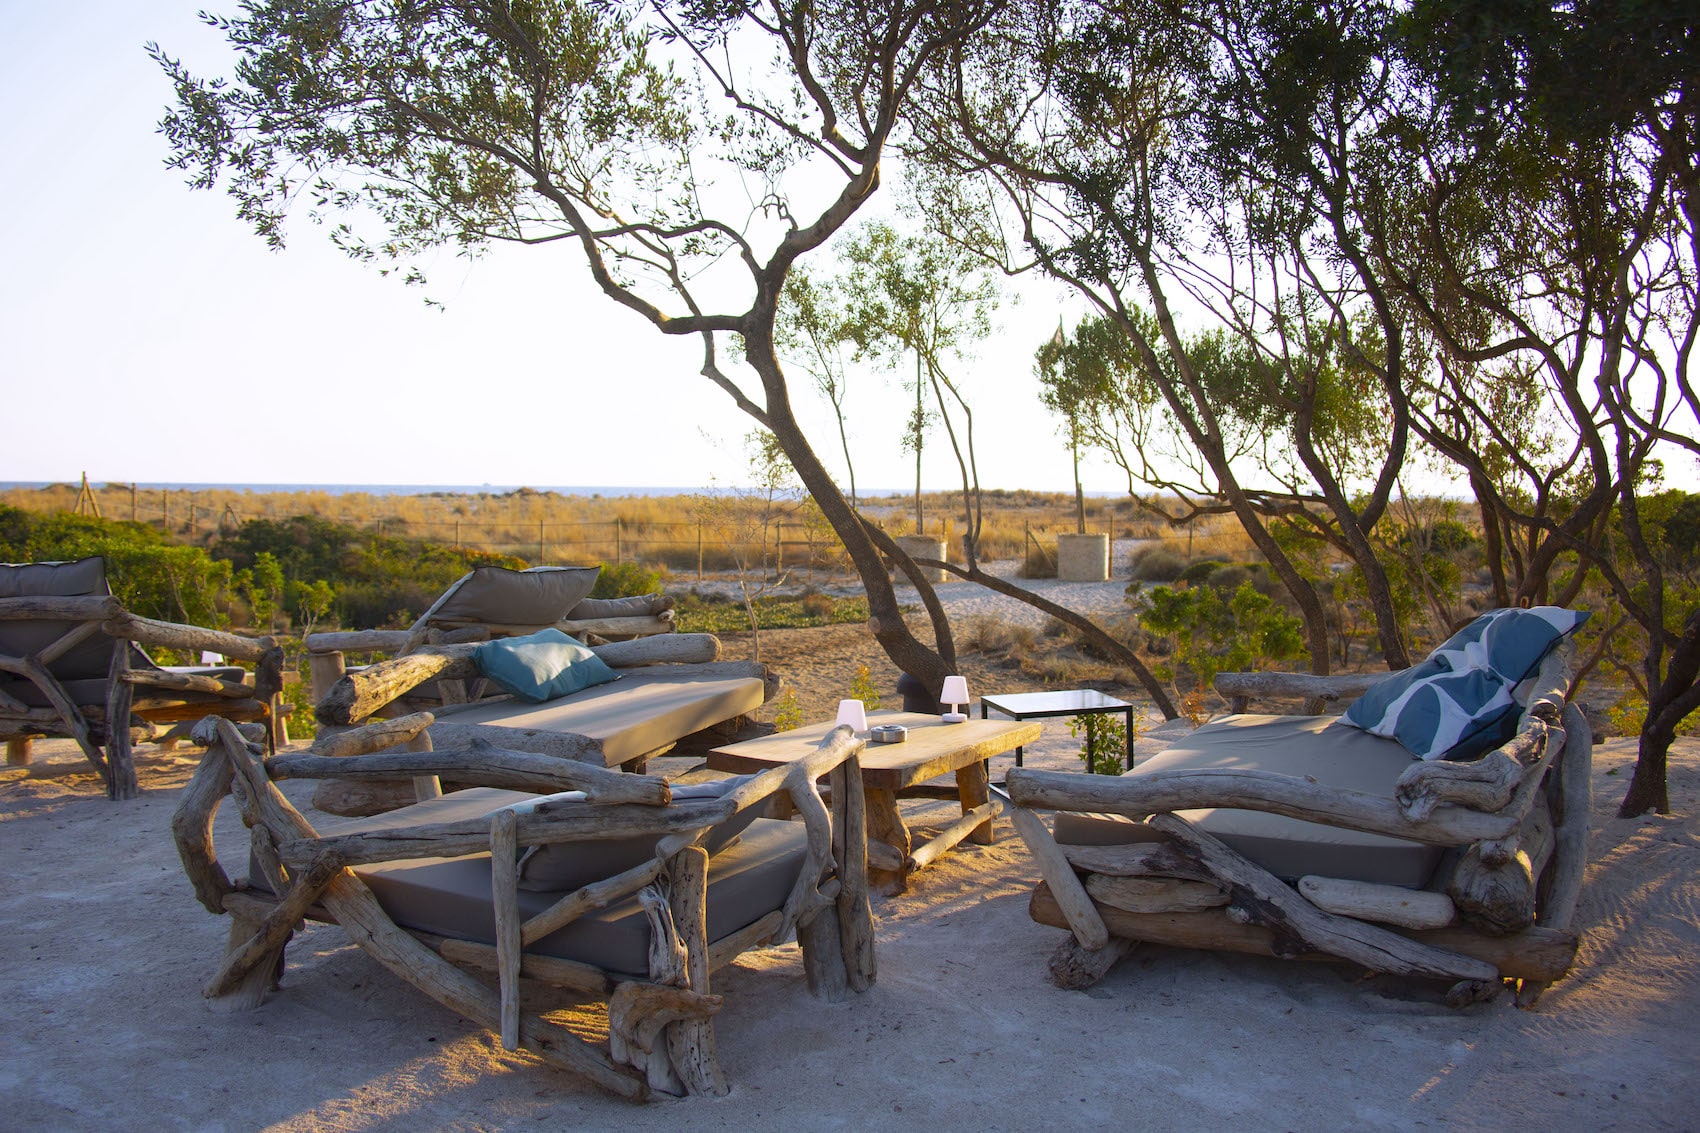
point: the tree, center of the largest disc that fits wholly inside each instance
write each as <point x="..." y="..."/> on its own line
<point x="1156" y="160"/>
<point x="467" y="122"/>
<point x="925" y="297"/>
<point x="1556" y="236"/>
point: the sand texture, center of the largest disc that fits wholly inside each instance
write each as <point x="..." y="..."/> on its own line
<point x="105" y="949"/>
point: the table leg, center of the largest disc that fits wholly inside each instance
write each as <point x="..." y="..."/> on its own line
<point x="1129" y="734"/>
<point x="888" y="838"/>
<point x="971" y="788"/>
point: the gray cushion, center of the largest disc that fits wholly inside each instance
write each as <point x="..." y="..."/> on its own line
<point x="451" y="896"/>
<point x="645" y="710"/>
<point x="82" y="578"/>
<point x="538" y="597"/>
<point x="1317" y="747"/>
<point x="569" y="865"/>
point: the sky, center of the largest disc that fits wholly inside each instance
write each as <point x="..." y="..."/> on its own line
<point x="146" y="334"/>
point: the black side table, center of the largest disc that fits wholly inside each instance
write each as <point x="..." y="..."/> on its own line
<point x="1070" y="702"/>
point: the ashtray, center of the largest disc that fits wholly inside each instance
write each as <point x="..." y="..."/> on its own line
<point x="888" y="733"/>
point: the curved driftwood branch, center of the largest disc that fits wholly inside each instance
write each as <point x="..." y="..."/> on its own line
<point x="340" y="743"/>
<point x="1535" y="954"/>
<point x="483" y="765"/>
<point x="1483" y="784"/>
<point x="1299" y="926"/>
<point x="171" y="635"/>
<point x="57" y="609"/>
<point x="1141" y="795"/>
<point x="191" y="829"/>
<point x="1081" y="918"/>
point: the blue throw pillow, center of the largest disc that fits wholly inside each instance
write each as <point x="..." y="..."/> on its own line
<point x="541" y="666"/>
<point x="1458" y="703"/>
<point x="1510" y="643"/>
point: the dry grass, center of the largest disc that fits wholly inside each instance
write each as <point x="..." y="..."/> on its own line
<point x="683" y="533"/>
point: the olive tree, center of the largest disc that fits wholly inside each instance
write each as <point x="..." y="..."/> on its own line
<point x="609" y="127"/>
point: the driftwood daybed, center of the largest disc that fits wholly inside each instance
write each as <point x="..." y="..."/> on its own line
<point x="438" y="888"/>
<point x="672" y="685"/>
<point x="1299" y="837"/>
<point x="71" y="663"/>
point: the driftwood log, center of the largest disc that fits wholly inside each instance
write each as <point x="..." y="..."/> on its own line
<point x="1534" y="954"/>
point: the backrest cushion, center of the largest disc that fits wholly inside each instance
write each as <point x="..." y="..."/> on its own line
<point x="541" y="666"/>
<point x="566" y="866"/>
<point x="1510" y="643"/>
<point x="492" y="595"/>
<point x="82" y="578"/>
<point x="1459" y="703"/>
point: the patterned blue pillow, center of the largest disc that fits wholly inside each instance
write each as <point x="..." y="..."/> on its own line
<point x="541" y="666"/>
<point x="1510" y="643"/>
<point x="1458" y="703"/>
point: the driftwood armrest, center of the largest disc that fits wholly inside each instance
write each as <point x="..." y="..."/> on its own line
<point x="172" y="635"/>
<point x="48" y="608"/>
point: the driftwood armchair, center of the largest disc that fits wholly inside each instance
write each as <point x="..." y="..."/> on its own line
<point x="494" y="602"/>
<point x="1300" y="837"/>
<point x="672" y="685"/>
<point x="72" y="664"/>
<point x="633" y="909"/>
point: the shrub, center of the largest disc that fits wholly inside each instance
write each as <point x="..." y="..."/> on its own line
<point x="1201" y="570"/>
<point x="622" y="580"/>
<point x="862" y="688"/>
<point x="1155" y="563"/>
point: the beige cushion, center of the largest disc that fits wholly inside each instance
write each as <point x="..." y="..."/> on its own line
<point x="537" y="597"/>
<point x="451" y="896"/>
<point x="1317" y="747"/>
<point x="646" y="709"/>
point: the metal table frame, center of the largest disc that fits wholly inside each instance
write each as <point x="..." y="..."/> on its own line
<point x="1047" y="705"/>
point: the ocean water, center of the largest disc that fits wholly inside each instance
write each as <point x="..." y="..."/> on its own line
<point x="387" y="489"/>
<point x="610" y="491"/>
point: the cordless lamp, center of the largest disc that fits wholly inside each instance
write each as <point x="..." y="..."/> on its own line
<point x="853" y="713"/>
<point x="955" y="694"/>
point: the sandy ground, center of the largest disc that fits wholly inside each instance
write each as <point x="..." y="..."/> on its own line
<point x="106" y="948"/>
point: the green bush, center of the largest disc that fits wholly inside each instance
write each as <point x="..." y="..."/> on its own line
<point x="1207" y="632"/>
<point x="1200" y="571"/>
<point x="623" y="580"/>
<point x="1155" y="563"/>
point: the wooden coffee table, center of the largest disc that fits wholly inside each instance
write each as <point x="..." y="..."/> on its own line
<point x="932" y="749"/>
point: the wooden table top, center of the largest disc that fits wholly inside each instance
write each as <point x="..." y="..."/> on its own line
<point x="932" y="749"/>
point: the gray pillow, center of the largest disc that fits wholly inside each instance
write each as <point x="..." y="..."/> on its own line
<point x="492" y="595"/>
<point x="564" y="866"/>
<point x="79" y="579"/>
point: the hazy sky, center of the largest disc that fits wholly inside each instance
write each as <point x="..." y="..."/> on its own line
<point x="146" y="334"/>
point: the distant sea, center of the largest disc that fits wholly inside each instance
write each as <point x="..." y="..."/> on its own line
<point x="381" y="489"/>
<point x="612" y="491"/>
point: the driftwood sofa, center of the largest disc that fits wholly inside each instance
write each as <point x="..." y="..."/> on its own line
<point x="1300" y="837"/>
<point x="644" y="919"/>
<point x="72" y="664"/>
<point x="672" y="685"/>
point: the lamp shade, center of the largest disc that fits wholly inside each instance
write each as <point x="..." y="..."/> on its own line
<point x="955" y="691"/>
<point x="853" y="713"/>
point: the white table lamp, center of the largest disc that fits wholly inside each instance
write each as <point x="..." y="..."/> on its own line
<point x="955" y="694"/>
<point x="853" y="713"/>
